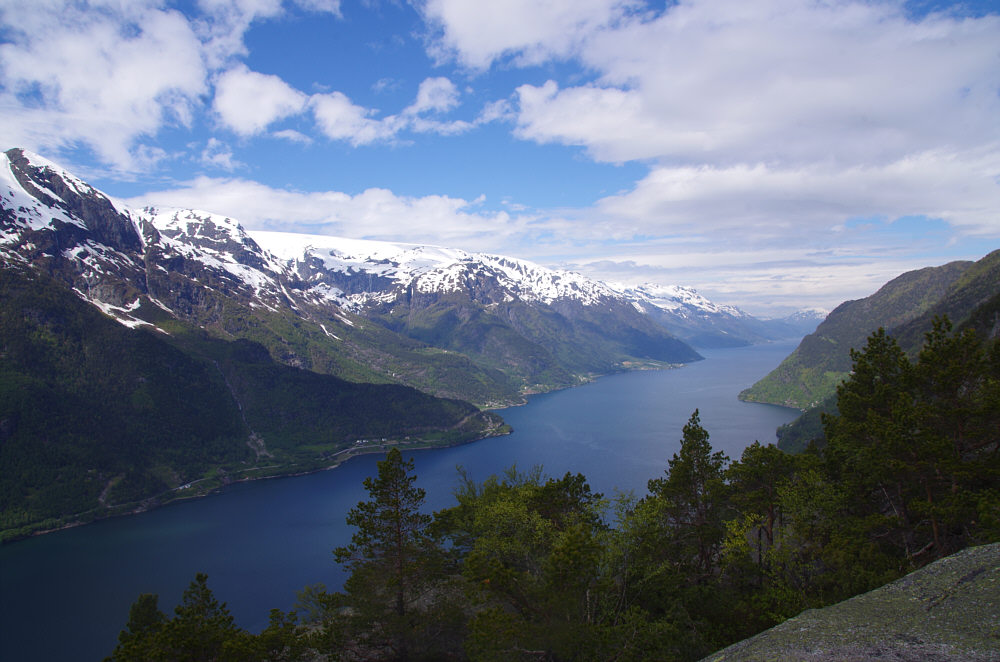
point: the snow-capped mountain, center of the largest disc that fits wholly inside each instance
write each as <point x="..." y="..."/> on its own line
<point x="683" y="301"/>
<point x="702" y="323"/>
<point x="363" y="310"/>
<point x="358" y="274"/>
<point x="363" y="275"/>
<point x="806" y="321"/>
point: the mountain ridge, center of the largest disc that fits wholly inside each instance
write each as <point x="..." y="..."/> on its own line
<point x="810" y="374"/>
<point x="472" y="325"/>
<point x="99" y="419"/>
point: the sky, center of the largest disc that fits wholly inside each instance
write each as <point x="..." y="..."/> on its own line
<point x="773" y="154"/>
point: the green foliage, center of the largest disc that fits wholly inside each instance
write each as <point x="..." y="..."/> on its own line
<point x="916" y="442"/>
<point x="690" y="502"/>
<point x="822" y="360"/>
<point x="806" y="430"/>
<point x="526" y="567"/>
<point x="396" y="603"/>
<point x="202" y="630"/>
<point x="97" y="418"/>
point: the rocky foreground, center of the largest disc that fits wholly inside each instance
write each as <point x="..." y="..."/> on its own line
<point x="947" y="611"/>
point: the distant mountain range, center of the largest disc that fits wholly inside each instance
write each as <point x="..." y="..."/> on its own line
<point x="481" y="327"/>
<point x="704" y="324"/>
<point x="153" y="353"/>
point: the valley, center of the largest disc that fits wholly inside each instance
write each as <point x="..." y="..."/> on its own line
<point x="150" y="349"/>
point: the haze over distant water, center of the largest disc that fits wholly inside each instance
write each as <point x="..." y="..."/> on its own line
<point x="66" y="595"/>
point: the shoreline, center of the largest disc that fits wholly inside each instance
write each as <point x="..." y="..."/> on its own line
<point x="153" y="502"/>
<point x="589" y="379"/>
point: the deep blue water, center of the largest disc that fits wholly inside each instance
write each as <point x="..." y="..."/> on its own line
<point x="65" y="595"/>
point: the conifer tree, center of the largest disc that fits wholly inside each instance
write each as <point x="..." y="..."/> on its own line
<point x="691" y="499"/>
<point x="394" y="564"/>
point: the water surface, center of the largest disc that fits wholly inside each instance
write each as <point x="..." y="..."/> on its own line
<point x="65" y="595"/>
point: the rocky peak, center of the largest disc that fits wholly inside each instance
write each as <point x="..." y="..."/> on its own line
<point x="57" y="189"/>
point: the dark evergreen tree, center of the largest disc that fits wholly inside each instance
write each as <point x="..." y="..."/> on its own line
<point x="955" y="446"/>
<point x="202" y="630"/>
<point x="871" y="445"/>
<point x="138" y="641"/>
<point x="394" y="603"/>
<point x="690" y="501"/>
<point x="915" y="445"/>
<point x="754" y="483"/>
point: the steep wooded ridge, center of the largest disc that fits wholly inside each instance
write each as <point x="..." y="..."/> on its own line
<point x="98" y="419"/>
<point x="947" y="611"/>
<point x="905" y="307"/>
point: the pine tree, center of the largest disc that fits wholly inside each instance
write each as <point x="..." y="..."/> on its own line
<point x="394" y="564"/>
<point x="691" y="499"/>
<point x="202" y="629"/>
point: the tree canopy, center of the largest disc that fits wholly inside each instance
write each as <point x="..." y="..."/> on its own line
<point x="529" y="567"/>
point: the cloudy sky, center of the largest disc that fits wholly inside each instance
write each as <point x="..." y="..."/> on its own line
<point x="773" y="154"/>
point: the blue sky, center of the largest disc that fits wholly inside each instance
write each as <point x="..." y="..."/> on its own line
<point x="775" y="154"/>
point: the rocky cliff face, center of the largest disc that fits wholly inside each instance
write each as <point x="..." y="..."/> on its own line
<point x="948" y="611"/>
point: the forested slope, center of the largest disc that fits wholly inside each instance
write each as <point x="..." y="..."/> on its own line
<point x="526" y="567"/>
<point x="810" y="374"/>
<point x="96" y="417"/>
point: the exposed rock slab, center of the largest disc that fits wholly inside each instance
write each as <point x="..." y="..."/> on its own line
<point x="945" y="612"/>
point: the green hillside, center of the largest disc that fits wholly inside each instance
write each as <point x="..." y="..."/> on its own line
<point x="97" y="418"/>
<point x="822" y="360"/>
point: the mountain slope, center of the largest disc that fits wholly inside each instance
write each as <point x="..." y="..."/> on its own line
<point x="970" y="295"/>
<point x="482" y="327"/>
<point x="96" y="417"/>
<point x="947" y="611"/>
<point x="544" y="326"/>
<point x="701" y="323"/>
<point x="811" y="373"/>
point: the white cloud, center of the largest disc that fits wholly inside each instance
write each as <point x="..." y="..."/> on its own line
<point x="436" y="95"/>
<point x="223" y="24"/>
<point x="756" y="204"/>
<point x="248" y="101"/>
<point x="496" y="111"/>
<point x="73" y="75"/>
<point x="219" y="155"/>
<point x="293" y="136"/>
<point x="478" y="33"/>
<point x="611" y="123"/>
<point x="776" y="80"/>
<point x="772" y="281"/>
<point x="109" y="74"/>
<point x="375" y="213"/>
<point x="341" y="119"/>
<point x="329" y="6"/>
